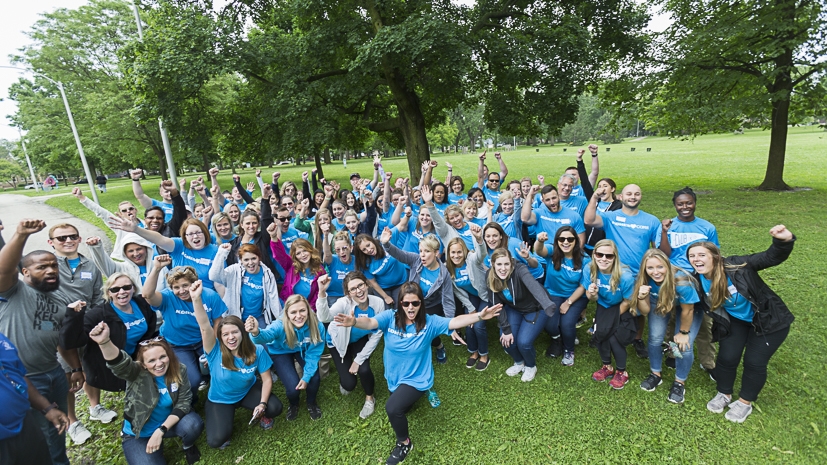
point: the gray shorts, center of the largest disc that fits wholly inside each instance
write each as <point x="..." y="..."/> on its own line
<point x="66" y="368"/>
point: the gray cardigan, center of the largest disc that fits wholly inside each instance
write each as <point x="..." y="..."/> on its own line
<point x="442" y="291"/>
<point x="232" y="276"/>
<point x="340" y="335"/>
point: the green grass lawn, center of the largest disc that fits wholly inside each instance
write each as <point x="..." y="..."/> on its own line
<point x="563" y="416"/>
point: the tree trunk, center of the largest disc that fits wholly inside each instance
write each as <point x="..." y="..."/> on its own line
<point x="206" y="161"/>
<point x="326" y="155"/>
<point x="162" y="165"/>
<point x="774" y="177"/>
<point x="318" y="159"/>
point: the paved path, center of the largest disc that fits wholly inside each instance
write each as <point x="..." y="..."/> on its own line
<point x="14" y="208"/>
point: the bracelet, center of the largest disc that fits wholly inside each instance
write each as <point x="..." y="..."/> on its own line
<point x="49" y="408"/>
<point x="568" y="301"/>
<point x="263" y="403"/>
<point x="685" y="333"/>
<point x="105" y="342"/>
<point x="136" y="180"/>
<point x="594" y="155"/>
<point x="76" y="370"/>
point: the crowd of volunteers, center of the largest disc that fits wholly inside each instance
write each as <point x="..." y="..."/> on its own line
<point x="219" y="295"/>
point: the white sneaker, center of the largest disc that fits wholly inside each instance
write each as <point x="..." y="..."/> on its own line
<point x="344" y="391"/>
<point x="101" y="414"/>
<point x="529" y="374"/>
<point x="367" y="409"/>
<point x="515" y="369"/>
<point x="79" y="433"/>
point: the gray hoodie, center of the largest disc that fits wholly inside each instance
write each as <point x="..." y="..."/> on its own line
<point x="109" y="267"/>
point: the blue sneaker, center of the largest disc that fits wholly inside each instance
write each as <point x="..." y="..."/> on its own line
<point x="433" y="398"/>
<point x="441" y="357"/>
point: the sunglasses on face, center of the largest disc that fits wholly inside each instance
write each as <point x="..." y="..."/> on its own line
<point x="288" y="204"/>
<point x="70" y="237"/>
<point x="116" y="289"/>
<point x="150" y="341"/>
<point x="562" y="239"/>
<point x="287" y="218"/>
<point x="610" y="256"/>
<point x="130" y="209"/>
<point x="415" y="303"/>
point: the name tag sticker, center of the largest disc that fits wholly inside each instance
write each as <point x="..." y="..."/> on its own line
<point x="173" y="387"/>
<point x="621" y="219"/>
<point x="732" y="290"/>
<point x="87" y="275"/>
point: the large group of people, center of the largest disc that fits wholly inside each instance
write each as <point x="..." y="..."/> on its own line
<point x="220" y="295"/>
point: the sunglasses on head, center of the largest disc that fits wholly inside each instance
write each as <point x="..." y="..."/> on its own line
<point x="610" y="256"/>
<point x="70" y="237"/>
<point x="116" y="289"/>
<point x="565" y="239"/>
<point x="150" y="341"/>
<point x="415" y="303"/>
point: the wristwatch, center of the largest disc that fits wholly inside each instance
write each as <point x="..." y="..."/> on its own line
<point x="163" y="429"/>
<point x="49" y="408"/>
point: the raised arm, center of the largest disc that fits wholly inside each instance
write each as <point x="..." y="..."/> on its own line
<point x="218" y="273"/>
<point x="138" y="190"/>
<point x="156" y="238"/>
<point x="207" y="333"/>
<point x="408" y="258"/>
<point x="503" y="168"/>
<point x="179" y="209"/>
<point x="429" y="170"/>
<point x="386" y="192"/>
<point x="585" y="182"/>
<point x="595" y="166"/>
<point x="527" y="215"/>
<point x="590" y="217"/>
<point x="99" y="211"/>
<point x="469" y="319"/>
<point x="150" y="288"/>
<point x="99" y="257"/>
<point x="242" y="190"/>
<point x="540" y="244"/>
<point x="481" y="171"/>
<point x="11" y="254"/>
<point x="781" y="248"/>
<point x="449" y="177"/>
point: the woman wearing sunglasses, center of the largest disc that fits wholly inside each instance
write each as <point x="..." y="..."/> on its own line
<point x="563" y="276"/>
<point x="527" y="306"/>
<point x="611" y="284"/>
<point x="158" y="398"/>
<point x="130" y="319"/>
<point x="409" y="369"/>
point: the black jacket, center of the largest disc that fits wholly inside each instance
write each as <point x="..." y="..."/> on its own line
<point x="75" y="334"/>
<point x="593" y="235"/>
<point x="529" y="296"/>
<point x="771" y="313"/>
<point x="261" y="240"/>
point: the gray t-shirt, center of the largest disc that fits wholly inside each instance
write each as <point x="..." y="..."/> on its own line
<point x="31" y="320"/>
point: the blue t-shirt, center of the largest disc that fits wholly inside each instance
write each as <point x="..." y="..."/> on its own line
<point x="632" y="234"/>
<point x="337" y="270"/>
<point x="514" y="247"/>
<point x="135" y="324"/>
<point x="334" y="221"/>
<point x="388" y="272"/>
<point x="289" y="237"/>
<point x="507" y="295"/>
<point x="549" y="222"/>
<point x="736" y="305"/>
<point x="302" y="286"/>
<point x="508" y="224"/>
<point x="465" y="234"/>
<point x="563" y="282"/>
<point x="413" y="238"/>
<point x="180" y="327"/>
<point x="481" y="222"/>
<point x="201" y="260"/>
<point x="685" y="291"/>
<point x="463" y="280"/>
<point x="684" y="233"/>
<point x="14" y="393"/>
<point x="493" y="196"/>
<point x="168" y="208"/>
<point x="408" y="353"/>
<point x="576" y="204"/>
<point x="252" y="294"/>
<point x="74" y="263"/>
<point x="159" y="414"/>
<point x="427" y="278"/>
<point x="455" y="199"/>
<point x="356" y="333"/>
<point x="142" y="273"/>
<point x="605" y="297"/>
<point x="228" y="386"/>
<point x="441" y="207"/>
<point x="577" y="190"/>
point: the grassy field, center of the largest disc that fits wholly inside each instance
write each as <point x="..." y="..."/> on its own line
<point x="564" y="416"/>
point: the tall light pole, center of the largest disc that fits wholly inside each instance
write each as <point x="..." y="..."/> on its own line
<point x="28" y="161"/>
<point x="164" y="136"/>
<point x="59" y="85"/>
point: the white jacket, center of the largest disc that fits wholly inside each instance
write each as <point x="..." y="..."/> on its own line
<point x="108" y="266"/>
<point x="104" y="215"/>
<point x="340" y="335"/>
<point x="232" y="277"/>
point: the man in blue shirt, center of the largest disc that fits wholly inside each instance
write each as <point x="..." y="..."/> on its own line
<point x="490" y="182"/>
<point x="550" y="216"/>
<point x="568" y="199"/>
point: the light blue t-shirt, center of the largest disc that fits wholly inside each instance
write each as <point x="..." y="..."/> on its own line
<point x="577" y="190"/>
<point x="388" y="272"/>
<point x="493" y="196"/>
<point x="180" y="327"/>
<point x="302" y="286"/>
<point x="289" y="237"/>
<point x="463" y="280"/>
<point x="427" y="279"/>
<point x="337" y="270"/>
<point x="682" y="234"/>
<point x="228" y="386"/>
<point x="356" y="333"/>
<point x="201" y="260"/>
<point x="142" y="273"/>
<point x="508" y="224"/>
<point x="563" y="282"/>
<point x="252" y="294"/>
<point x="576" y="204"/>
<point x="736" y="305"/>
<point x="74" y="263"/>
<point x="162" y="411"/>
<point x="135" y="324"/>
<point x="632" y="234"/>
<point x="605" y="297"/>
<point x="408" y="353"/>
<point x="413" y="238"/>
<point x="455" y="199"/>
<point x="168" y="208"/>
<point x="685" y="291"/>
<point x="465" y="234"/>
<point x="549" y="222"/>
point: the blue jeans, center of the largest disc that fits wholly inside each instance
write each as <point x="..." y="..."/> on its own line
<point x="188" y="429"/>
<point x="53" y="386"/>
<point x="188" y="355"/>
<point x="285" y="368"/>
<point x="477" y="335"/>
<point x="525" y="327"/>
<point x="657" y="332"/>
<point x="565" y="324"/>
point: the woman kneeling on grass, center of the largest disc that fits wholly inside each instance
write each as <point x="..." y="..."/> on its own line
<point x="611" y="284"/>
<point x="409" y="369"/>
<point x="749" y="317"/>
<point x="660" y="289"/>
<point x="295" y="337"/>
<point x="157" y="401"/>
<point x="233" y="360"/>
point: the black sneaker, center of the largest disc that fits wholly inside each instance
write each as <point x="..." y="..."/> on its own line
<point x="555" y="349"/>
<point x="315" y="411"/>
<point x="640" y="348"/>
<point x="399" y="452"/>
<point x="472" y="361"/>
<point x="192" y="454"/>
<point x="676" y="393"/>
<point x="670" y="363"/>
<point x="711" y="373"/>
<point x="292" y="412"/>
<point x="651" y="382"/>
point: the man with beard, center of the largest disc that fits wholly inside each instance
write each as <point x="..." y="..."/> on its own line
<point x="31" y="314"/>
<point x="550" y="216"/>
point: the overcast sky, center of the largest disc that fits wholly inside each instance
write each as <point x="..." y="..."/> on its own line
<point x="19" y="16"/>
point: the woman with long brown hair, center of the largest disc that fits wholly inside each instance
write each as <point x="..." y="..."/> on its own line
<point x="302" y="267"/>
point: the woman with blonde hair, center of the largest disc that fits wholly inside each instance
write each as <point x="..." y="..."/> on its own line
<point x="296" y="337"/>
<point x="339" y="263"/>
<point x="322" y="227"/>
<point x="661" y="288"/>
<point x="611" y="284"/>
<point x="221" y="228"/>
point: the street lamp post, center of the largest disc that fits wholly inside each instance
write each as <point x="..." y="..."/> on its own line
<point x="28" y="161"/>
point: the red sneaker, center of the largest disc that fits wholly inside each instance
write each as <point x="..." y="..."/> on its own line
<point x="620" y="379"/>
<point x="603" y="373"/>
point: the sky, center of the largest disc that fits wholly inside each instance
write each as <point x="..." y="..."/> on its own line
<point x="18" y="17"/>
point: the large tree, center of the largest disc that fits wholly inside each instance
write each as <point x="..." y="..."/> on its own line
<point x="724" y="65"/>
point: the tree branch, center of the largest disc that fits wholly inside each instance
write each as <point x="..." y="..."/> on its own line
<point x="485" y="20"/>
<point x="317" y="77"/>
<point x="383" y="126"/>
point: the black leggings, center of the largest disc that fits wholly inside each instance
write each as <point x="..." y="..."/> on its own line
<point x="399" y="404"/>
<point x="219" y="417"/>
<point x="757" y="351"/>
<point x="347" y="380"/>
<point x="611" y="346"/>
<point x="435" y="310"/>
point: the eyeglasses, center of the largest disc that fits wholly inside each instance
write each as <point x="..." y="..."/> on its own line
<point x="130" y="209"/>
<point x="286" y="218"/>
<point x="70" y="237"/>
<point x="116" y="289"/>
<point x="358" y="288"/>
<point x="610" y="256"/>
<point x="415" y="303"/>
<point x="195" y="234"/>
<point x="150" y="341"/>
<point x="562" y="239"/>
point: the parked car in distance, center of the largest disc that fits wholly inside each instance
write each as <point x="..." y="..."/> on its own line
<point x="80" y="181"/>
<point x="32" y="186"/>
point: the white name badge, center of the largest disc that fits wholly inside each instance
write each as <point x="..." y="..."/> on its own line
<point x="732" y="290"/>
<point x="173" y="387"/>
<point x="87" y="275"/>
<point x="621" y="219"/>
